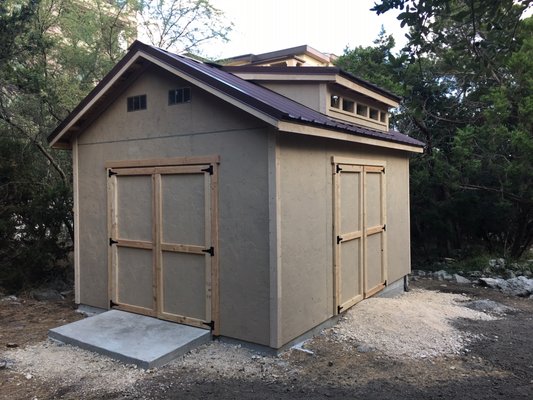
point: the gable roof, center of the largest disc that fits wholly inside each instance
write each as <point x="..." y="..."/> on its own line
<point x="267" y="105"/>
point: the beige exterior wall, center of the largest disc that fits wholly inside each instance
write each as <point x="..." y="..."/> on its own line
<point x="310" y="94"/>
<point x="205" y="126"/>
<point x="306" y="221"/>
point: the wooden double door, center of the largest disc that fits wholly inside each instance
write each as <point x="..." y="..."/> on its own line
<point x="163" y="239"/>
<point x="360" y="268"/>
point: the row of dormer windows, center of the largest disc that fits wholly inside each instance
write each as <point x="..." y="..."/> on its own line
<point x="359" y="109"/>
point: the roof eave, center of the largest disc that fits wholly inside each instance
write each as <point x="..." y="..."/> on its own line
<point x="312" y="129"/>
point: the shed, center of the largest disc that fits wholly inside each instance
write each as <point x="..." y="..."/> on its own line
<point x="255" y="201"/>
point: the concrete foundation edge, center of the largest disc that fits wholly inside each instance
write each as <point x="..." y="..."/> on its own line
<point x="394" y="289"/>
<point x="158" y="362"/>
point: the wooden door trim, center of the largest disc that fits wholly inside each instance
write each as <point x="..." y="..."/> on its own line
<point x="362" y="166"/>
<point x="208" y="166"/>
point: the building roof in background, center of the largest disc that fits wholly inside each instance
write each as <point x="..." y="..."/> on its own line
<point x="274" y="56"/>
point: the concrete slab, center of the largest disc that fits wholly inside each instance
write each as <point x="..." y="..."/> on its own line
<point x="131" y="338"/>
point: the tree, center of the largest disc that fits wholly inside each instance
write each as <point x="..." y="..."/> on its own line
<point x="182" y="25"/>
<point x="54" y="53"/>
<point x="465" y="76"/>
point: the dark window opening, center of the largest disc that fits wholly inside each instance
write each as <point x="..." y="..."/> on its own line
<point x="180" y="95"/>
<point x="335" y="101"/>
<point x="347" y="105"/>
<point x="136" y="103"/>
<point x="362" y="110"/>
<point x="374" y="114"/>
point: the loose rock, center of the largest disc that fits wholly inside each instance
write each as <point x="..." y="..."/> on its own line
<point x="442" y="275"/>
<point x="46" y="294"/>
<point x="460" y="279"/>
<point x="488" y="306"/>
<point x="519" y="286"/>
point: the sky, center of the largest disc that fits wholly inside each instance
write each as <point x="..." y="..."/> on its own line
<point x="329" y="26"/>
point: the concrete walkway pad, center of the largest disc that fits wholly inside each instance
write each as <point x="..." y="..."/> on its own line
<point x="131" y="338"/>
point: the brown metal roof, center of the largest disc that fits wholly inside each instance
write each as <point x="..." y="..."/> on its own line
<point x="252" y="95"/>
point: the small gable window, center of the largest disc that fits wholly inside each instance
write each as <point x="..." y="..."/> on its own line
<point x="136" y="103"/>
<point x="180" y="95"/>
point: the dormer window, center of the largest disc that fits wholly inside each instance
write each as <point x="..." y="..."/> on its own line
<point x="348" y="105"/>
<point x="351" y="109"/>
<point x="362" y="110"/>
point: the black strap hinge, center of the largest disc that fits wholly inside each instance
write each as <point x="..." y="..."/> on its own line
<point x="338" y="169"/>
<point x="210" y="251"/>
<point x="339" y="239"/>
<point x="208" y="169"/>
<point x="339" y="309"/>
<point x="110" y="173"/>
<point x="385" y="227"/>
<point x="112" y="304"/>
<point x="112" y="242"/>
<point x="210" y="325"/>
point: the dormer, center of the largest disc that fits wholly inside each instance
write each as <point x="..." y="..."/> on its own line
<point x="328" y="90"/>
<point x="308" y="76"/>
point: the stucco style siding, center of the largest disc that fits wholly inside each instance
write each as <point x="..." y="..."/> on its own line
<point x="312" y="95"/>
<point x="205" y="126"/>
<point x="306" y="223"/>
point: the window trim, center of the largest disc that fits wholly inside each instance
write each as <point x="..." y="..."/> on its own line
<point x="184" y="97"/>
<point x="338" y="107"/>
<point x="137" y="103"/>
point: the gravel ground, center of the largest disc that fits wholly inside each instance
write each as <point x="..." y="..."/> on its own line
<point x="424" y="344"/>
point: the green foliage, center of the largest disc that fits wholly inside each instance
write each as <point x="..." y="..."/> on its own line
<point x="182" y="25"/>
<point x="466" y="78"/>
<point x="376" y="64"/>
<point x="54" y="53"/>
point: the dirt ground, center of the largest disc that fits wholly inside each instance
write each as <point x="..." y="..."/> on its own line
<point x="470" y="355"/>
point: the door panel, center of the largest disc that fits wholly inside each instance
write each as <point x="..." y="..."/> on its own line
<point x="351" y="285"/>
<point x="373" y="270"/>
<point x="134" y="208"/>
<point x="135" y="274"/>
<point x="359" y="231"/>
<point x="184" y="209"/>
<point x="184" y="285"/>
<point x="373" y="199"/>
<point x="350" y="183"/>
<point x="163" y="241"/>
<point x="348" y="233"/>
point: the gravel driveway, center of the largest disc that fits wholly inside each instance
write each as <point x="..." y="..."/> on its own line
<point x="437" y="341"/>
